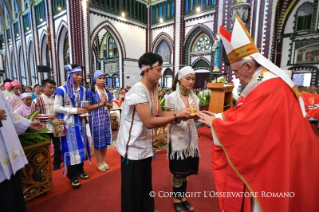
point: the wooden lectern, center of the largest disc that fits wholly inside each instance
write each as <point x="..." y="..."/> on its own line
<point x="221" y="98"/>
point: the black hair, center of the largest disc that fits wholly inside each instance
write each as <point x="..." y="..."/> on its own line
<point x="174" y="83"/>
<point x="7" y="80"/>
<point x="149" y="58"/>
<point x="36" y="85"/>
<point x="48" y="81"/>
<point x="93" y="85"/>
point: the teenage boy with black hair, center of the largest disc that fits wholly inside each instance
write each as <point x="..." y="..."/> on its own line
<point x="45" y="105"/>
<point x="140" y="114"/>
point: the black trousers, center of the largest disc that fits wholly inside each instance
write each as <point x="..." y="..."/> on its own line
<point x="11" y="195"/>
<point x="136" y="185"/>
<point x="74" y="171"/>
<point x="57" y="152"/>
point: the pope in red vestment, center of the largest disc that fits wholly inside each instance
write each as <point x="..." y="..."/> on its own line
<point x="268" y="148"/>
<point x="265" y="154"/>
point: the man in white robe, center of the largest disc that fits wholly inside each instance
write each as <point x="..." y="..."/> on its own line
<point x="12" y="157"/>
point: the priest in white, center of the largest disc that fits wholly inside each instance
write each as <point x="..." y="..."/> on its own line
<point x="12" y="157"/>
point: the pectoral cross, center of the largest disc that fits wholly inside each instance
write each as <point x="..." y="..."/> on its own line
<point x="260" y="78"/>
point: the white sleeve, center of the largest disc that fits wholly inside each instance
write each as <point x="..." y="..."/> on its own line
<point x="215" y="138"/>
<point x="20" y="124"/>
<point x="58" y="108"/>
<point x="136" y="98"/>
<point x="169" y="103"/>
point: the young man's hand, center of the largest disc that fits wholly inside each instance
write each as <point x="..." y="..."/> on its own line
<point x="3" y="115"/>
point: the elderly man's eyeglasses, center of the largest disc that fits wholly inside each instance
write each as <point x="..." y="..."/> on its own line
<point x="239" y="67"/>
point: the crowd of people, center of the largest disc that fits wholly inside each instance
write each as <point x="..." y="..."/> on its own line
<point x="265" y="144"/>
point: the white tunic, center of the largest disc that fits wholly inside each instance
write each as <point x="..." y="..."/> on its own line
<point x="12" y="157"/>
<point x="141" y="141"/>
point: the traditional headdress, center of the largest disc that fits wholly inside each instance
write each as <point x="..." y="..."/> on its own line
<point x="144" y="67"/>
<point x="70" y="86"/>
<point x="242" y="45"/>
<point x="15" y="83"/>
<point x="24" y="95"/>
<point x="7" y="85"/>
<point x="97" y="73"/>
<point x="182" y="73"/>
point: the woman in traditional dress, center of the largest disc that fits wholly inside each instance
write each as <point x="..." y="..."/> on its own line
<point x="100" y="123"/>
<point x="183" y="150"/>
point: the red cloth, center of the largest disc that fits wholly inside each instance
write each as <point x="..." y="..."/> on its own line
<point x="313" y="113"/>
<point x="119" y="103"/>
<point x="268" y="146"/>
<point x="240" y="100"/>
<point x="310" y="98"/>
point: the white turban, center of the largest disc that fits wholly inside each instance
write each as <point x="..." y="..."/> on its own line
<point x="185" y="71"/>
<point x="24" y="95"/>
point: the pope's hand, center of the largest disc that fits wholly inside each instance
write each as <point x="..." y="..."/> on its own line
<point x="206" y="117"/>
<point x="35" y="125"/>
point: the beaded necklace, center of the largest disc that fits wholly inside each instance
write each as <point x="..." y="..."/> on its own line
<point x="152" y="98"/>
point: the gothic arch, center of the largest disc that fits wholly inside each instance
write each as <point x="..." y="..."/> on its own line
<point x="198" y="59"/>
<point x="62" y="37"/>
<point x="191" y="36"/>
<point x="117" y="37"/>
<point x="163" y="37"/>
<point x="43" y="47"/>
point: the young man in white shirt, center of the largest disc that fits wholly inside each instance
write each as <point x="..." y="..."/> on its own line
<point x="140" y="114"/>
<point x="45" y="105"/>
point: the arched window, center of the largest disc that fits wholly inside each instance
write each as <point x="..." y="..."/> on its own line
<point x="163" y="50"/>
<point x="168" y="78"/>
<point x="304" y="17"/>
<point x="200" y="63"/>
<point x="153" y="14"/>
<point x="24" y="80"/>
<point x="201" y="43"/>
<point x="8" y="71"/>
<point x="66" y="54"/>
<point x="116" y="80"/>
<point x="34" y="77"/>
<point x="108" y="80"/>
<point x="14" y="70"/>
<point x="108" y="47"/>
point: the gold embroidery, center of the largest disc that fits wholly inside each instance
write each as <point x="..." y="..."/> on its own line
<point x="296" y="92"/>
<point x="14" y="155"/>
<point x="5" y="161"/>
<point x="236" y="171"/>
<point x="16" y="117"/>
<point x="241" y="52"/>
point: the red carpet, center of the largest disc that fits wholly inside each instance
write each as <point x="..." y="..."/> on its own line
<point x="101" y="192"/>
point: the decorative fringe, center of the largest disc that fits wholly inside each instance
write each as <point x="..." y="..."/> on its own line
<point x="185" y="153"/>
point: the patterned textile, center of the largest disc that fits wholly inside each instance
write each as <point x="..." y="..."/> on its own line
<point x="74" y="145"/>
<point x="23" y="110"/>
<point x="14" y="101"/>
<point x="100" y="121"/>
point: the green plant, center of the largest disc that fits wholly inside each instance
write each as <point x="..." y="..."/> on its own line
<point x="204" y="99"/>
<point x="33" y="136"/>
<point x="221" y="79"/>
<point x="162" y="103"/>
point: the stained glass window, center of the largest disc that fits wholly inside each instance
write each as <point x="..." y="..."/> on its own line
<point x="161" y="11"/>
<point x="165" y="11"/>
<point x="203" y="3"/>
<point x="111" y="50"/>
<point x="153" y="15"/>
<point x="173" y="9"/>
<point x="304" y="17"/>
<point x="186" y="6"/>
<point x="202" y="44"/>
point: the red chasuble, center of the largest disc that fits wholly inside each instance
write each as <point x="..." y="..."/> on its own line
<point x="268" y="148"/>
<point x="119" y="103"/>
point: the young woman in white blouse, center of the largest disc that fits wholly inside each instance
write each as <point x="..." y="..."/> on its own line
<point x="183" y="150"/>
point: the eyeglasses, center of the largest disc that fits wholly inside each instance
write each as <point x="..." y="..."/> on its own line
<point x="239" y="68"/>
